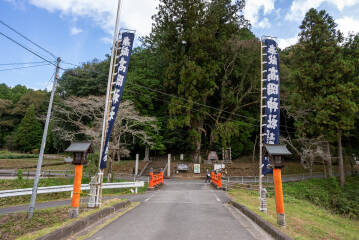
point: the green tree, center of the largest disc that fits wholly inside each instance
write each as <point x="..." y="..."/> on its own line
<point x="191" y="35"/>
<point x="28" y="134"/>
<point x="325" y="96"/>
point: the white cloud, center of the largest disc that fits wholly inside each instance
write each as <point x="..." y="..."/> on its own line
<point x="286" y="42"/>
<point x="107" y="40"/>
<point x="264" y="23"/>
<point x="251" y="11"/>
<point x="348" y="24"/>
<point x="300" y="7"/>
<point x="135" y="14"/>
<point x="75" y="30"/>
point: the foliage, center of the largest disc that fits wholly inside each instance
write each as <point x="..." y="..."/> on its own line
<point x="304" y="220"/>
<point x="327" y="193"/>
<point x="28" y="134"/>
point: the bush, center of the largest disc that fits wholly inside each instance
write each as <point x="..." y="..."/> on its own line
<point x="327" y="193"/>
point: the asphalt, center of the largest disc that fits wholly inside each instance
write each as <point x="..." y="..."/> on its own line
<point x="182" y="210"/>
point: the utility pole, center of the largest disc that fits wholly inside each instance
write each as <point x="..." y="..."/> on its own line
<point x="43" y="143"/>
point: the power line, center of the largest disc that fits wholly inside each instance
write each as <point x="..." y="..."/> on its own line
<point x="19" y="63"/>
<point x="9" y="69"/>
<point x="26" y="48"/>
<point x="6" y="25"/>
<point x="200" y="104"/>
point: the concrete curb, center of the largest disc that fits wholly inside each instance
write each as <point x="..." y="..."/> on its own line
<point x="77" y="226"/>
<point x="266" y="226"/>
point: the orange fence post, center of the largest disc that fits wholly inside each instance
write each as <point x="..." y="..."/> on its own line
<point x="277" y="178"/>
<point x="76" y="190"/>
<point x="150" y="180"/>
<point x="219" y="183"/>
<point x="161" y="177"/>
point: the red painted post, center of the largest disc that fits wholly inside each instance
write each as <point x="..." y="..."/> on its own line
<point x="150" y="181"/>
<point x="277" y="177"/>
<point x="219" y="184"/>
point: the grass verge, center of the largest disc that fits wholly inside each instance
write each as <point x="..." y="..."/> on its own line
<point x="41" y="224"/>
<point x="304" y="219"/>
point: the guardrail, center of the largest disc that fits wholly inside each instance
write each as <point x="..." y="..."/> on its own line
<point x="67" y="188"/>
<point x="269" y="178"/>
<point x="155" y="179"/>
<point x="216" y="179"/>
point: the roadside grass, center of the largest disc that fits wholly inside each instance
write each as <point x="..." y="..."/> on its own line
<point x="17" y="226"/>
<point x="45" y="182"/>
<point x="306" y="219"/>
<point x="28" y="163"/>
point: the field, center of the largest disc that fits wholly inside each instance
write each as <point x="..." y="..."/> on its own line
<point x="312" y="208"/>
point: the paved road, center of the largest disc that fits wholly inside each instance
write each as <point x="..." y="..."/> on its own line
<point x="186" y="210"/>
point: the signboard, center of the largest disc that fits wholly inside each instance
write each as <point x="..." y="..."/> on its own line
<point x="272" y="106"/>
<point x="197" y="168"/>
<point x="219" y="166"/>
<point x="120" y="80"/>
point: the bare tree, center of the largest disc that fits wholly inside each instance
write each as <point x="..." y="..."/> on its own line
<point x="82" y="117"/>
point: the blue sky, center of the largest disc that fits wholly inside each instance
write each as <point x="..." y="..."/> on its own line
<point x="81" y="30"/>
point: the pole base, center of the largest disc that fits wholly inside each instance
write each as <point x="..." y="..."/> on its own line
<point x="74" y="212"/>
<point x="281" y="219"/>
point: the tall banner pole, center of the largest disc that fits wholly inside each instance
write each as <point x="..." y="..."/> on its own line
<point x="272" y="117"/>
<point x="105" y="116"/>
<point x="262" y="199"/>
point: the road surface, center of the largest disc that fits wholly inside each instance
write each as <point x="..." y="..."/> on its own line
<point x="183" y="210"/>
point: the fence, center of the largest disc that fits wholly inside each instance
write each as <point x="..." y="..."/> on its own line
<point x="67" y="188"/>
<point x="216" y="179"/>
<point x="155" y="179"/>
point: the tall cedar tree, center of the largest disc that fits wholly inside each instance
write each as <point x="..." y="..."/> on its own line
<point x="28" y="134"/>
<point x="324" y="92"/>
<point x="191" y="36"/>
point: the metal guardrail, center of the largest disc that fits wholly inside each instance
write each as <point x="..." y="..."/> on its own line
<point x="269" y="179"/>
<point x="67" y="188"/>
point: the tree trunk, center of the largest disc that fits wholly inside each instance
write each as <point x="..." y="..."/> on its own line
<point x="147" y="154"/>
<point x="254" y="148"/>
<point x="340" y="158"/>
<point x="198" y="150"/>
<point x="109" y="173"/>
<point x="329" y="159"/>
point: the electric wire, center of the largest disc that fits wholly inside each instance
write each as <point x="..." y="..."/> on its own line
<point x="20" y="63"/>
<point x="26" y="48"/>
<point x="17" y="32"/>
<point x="9" y="69"/>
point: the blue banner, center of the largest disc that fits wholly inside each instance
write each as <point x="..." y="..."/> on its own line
<point x="272" y="105"/>
<point x="120" y="80"/>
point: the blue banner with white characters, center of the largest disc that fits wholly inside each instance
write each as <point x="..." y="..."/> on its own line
<point x="120" y="80"/>
<point x="272" y="109"/>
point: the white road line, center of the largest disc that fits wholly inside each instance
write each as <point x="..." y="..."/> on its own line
<point x="146" y="200"/>
<point x="217" y="198"/>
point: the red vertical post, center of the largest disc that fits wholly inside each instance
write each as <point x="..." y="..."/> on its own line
<point x="77" y="190"/>
<point x="150" y="180"/>
<point x="219" y="185"/>
<point x="277" y="178"/>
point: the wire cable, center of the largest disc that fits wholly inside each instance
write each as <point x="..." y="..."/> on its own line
<point x="26" y="48"/>
<point x="6" y="25"/>
<point x="9" y="69"/>
<point x="20" y="63"/>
